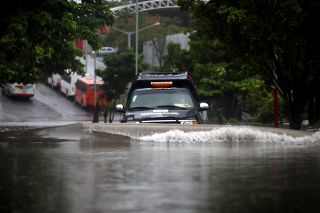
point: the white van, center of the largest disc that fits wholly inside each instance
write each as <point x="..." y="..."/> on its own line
<point x="68" y="83"/>
<point x="54" y="81"/>
<point x="107" y="50"/>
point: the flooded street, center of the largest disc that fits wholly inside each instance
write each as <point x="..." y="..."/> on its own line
<point x="68" y="169"/>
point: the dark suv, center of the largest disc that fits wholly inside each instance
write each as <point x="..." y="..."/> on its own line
<point x="163" y="98"/>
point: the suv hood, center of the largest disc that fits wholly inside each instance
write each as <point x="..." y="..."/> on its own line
<point x="160" y="116"/>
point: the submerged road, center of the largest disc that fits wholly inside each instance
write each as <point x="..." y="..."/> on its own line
<point x="181" y="133"/>
<point x="85" y="167"/>
<point x="47" y="106"/>
<point x="67" y="164"/>
<point x="147" y="129"/>
<point x="50" y="108"/>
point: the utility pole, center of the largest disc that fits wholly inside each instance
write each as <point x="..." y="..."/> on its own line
<point x="137" y="29"/>
<point x="86" y="55"/>
<point x="95" y="110"/>
<point x="130" y="33"/>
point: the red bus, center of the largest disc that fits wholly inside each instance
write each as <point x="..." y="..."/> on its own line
<point x="84" y="92"/>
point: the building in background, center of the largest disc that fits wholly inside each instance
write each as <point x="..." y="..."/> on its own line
<point x="149" y="51"/>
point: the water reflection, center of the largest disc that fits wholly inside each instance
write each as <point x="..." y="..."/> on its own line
<point x="108" y="173"/>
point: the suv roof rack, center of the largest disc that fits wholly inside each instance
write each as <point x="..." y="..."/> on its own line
<point x="164" y="76"/>
<point x="179" y="79"/>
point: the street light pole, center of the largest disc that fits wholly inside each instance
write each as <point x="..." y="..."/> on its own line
<point x="129" y="41"/>
<point x="137" y="34"/>
<point x="95" y="111"/>
<point x="127" y="33"/>
<point x="86" y="55"/>
<point x="130" y="33"/>
<point x="94" y="77"/>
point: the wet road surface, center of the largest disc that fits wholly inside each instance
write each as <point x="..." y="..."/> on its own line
<point x="70" y="169"/>
<point x="47" y="108"/>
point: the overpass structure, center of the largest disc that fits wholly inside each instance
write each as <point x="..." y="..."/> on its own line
<point x="144" y="6"/>
<point x="131" y="8"/>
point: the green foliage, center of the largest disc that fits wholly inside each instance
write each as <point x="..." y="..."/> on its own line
<point x="265" y="110"/>
<point x="155" y="34"/>
<point x="126" y="23"/>
<point x="158" y="37"/>
<point x="37" y="37"/>
<point x="210" y="79"/>
<point x="278" y="37"/>
<point x="176" y="59"/>
<point x="119" y="72"/>
<point x="264" y="107"/>
<point x="217" y="71"/>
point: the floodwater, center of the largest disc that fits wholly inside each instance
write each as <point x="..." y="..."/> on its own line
<point x="79" y="171"/>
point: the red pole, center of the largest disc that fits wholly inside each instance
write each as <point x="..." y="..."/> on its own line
<point x="275" y="108"/>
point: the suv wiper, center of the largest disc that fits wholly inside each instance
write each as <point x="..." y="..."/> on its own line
<point x="140" y="108"/>
<point x="171" y="107"/>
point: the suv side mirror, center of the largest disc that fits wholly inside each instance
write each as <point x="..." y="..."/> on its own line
<point x="204" y="106"/>
<point x="119" y="108"/>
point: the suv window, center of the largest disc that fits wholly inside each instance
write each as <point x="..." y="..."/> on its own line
<point x="157" y="98"/>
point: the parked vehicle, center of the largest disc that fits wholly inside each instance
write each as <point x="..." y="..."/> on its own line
<point x="84" y="92"/>
<point x="68" y="83"/>
<point x="54" y="81"/>
<point x="163" y="98"/>
<point x="18" y="90"/>
<point x="107" y="50"/>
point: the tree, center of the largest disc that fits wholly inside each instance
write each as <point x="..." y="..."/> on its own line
<point x="37" y="36"/>
<point x="177" y="59"/>
<point x="225" y="82"/>
<point x="280" y="37"/>
<point x="126" y="22"/>
<point x="119" y="72"/>
<point x="155" y="35"/>
<point x="158" y="37"/>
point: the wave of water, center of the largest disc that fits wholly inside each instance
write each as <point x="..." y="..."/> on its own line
<point x="229" y="134"/>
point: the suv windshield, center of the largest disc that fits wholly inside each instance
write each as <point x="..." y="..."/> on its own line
<point x="161" y="98"/>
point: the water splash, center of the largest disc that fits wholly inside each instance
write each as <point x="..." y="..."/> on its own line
<point x="229" y="134"/>
<point x="205" y="134"/>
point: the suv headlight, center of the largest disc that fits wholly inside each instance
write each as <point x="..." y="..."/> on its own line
<point x="189" y="122"/>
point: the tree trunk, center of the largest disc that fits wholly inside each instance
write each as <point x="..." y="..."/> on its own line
<point x="312" y="110"/>
<point x="295" y="109"/>
<point x="295" y="120"/>
<point x="105" y="114"/>
<point x="317" y="108"/>
<point x="96" y="110"/>
<point x="111" y="115"/>
<point x="231" y="109"/>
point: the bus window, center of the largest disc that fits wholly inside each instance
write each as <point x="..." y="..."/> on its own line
<point x="98" y="87"/>
<point x="66" y="77"/>
<point x="81" y="86"/>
